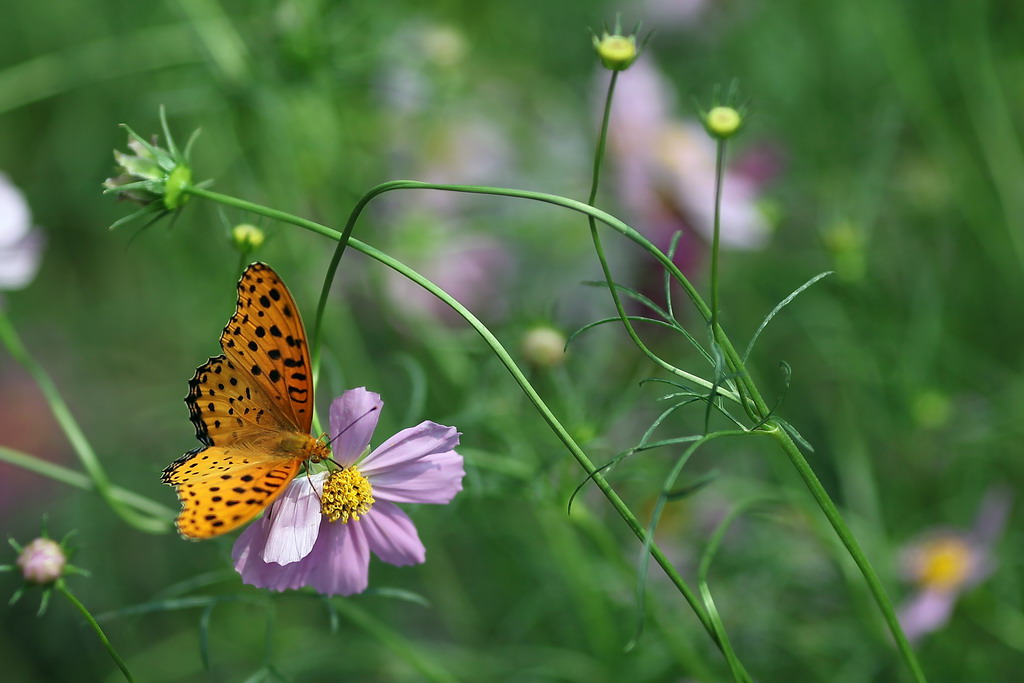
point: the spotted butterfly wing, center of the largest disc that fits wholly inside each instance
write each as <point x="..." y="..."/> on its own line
<point x="252" y="410"/>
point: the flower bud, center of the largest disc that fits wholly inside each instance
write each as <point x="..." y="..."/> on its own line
<point x="722" y="122"/>
<point x="42" y="561"/>
<point x="617" y="52"/>
<point x="544" y="346"/>
<point x="152" y="176"/>
<point x="246" y="237"/>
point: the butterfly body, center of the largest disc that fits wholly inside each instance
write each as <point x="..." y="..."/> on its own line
<point x="252" y="410"/>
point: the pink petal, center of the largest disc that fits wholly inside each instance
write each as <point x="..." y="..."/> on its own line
<point x="353" y="417"/>
<point x="247" y="552"/>
<point x="294" y="521"/>
<point x="409" y="445"/>
<point x="392" y="536"/>
<point x="927" y="611"/>
<point x="340" y="561"/>
<point x="434" y="478"/>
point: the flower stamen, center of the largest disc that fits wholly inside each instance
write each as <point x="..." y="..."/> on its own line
<point x="347" y="495"/>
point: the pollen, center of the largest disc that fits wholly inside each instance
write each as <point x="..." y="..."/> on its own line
<point x="347" y="495"/>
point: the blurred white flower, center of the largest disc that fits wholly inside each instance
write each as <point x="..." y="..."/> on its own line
<point x="21" y="245"/>
<point x="943" y="563"/>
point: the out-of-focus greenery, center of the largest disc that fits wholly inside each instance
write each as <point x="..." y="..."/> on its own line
<point x="899" y="126"/>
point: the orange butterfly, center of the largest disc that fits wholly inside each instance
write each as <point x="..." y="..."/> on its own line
<point x="252" y="407"/>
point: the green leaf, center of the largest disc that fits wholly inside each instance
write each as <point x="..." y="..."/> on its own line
<point x="782" y="304"/>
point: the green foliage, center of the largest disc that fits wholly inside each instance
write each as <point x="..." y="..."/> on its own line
<point x="896" y="124"/>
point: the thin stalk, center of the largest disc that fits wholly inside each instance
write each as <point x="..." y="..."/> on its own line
<point x="719" y="166"/>
<point x="596" y="237"/>
<point x="77" y="479"/>
<point x="74" y="434"/>
<point x="63" y="590"/>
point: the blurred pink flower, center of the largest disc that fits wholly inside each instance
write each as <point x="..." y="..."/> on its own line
<point x="665" y="170"/>
<point x="21" y="245"/>
<point x="320" y="532"/>
<point x="474" y="269"/>
<point x="944" y="563"/>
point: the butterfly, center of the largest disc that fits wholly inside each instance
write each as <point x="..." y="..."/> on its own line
<point x="252" y="408"/>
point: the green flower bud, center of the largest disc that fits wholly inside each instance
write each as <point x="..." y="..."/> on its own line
<point x="246" y="237"/>
<point x="152" y="176"/>
<point x="722" y="122"/>
<point x="617" y="52"/>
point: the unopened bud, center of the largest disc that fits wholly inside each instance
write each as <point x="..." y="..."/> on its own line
<point x="544" y="347"/>
<point x="42" y="561"/>
<point x="246" y="237"/>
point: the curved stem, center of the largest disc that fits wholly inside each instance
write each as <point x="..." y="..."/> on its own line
<point x="596" y="237"/>
<point x="63" y="590"/>
<point x="572" y="204"/>
<point x="74" y="433"/>
<point x="77" y="479"/>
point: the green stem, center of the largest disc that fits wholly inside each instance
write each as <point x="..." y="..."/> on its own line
<point x="73" y="432"/>
<point x="596" y="237"/>
<point x="738" y="673"/>
<point x="736" y="363"/>
<point x="71" y="477"/>
<point x="565" y="202"/>
<point x="705" y="617"/>
<point x="63" y="590"/>
<point x="846" y="536"/>
<point x="719" y="172"/>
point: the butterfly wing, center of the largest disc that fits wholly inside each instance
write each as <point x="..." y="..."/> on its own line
<point x="223" y="487"/>
<point x="242" y="404"/>
<point x="227" y="406"/>
<point x="265" y="338"/>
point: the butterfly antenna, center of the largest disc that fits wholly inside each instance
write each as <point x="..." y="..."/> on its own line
<point x="352" y="423"/>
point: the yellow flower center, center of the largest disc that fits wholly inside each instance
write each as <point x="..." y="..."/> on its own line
<point x="945" y="563"/>
<point x="347" y="495"/>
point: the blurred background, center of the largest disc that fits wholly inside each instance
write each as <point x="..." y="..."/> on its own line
<point x="883" y="142"/>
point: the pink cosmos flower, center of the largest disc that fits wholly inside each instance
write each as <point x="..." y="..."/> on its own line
<point x="944" y="563"/>
<point x="321" y="531"/>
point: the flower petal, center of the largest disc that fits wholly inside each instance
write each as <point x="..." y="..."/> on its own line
<point x="246" y="555"/>
<point x="294" y="521"/>
<point x="434" y="478"/>
<point x="927" y="611"/>
<point x="15" y="217"/>
<point x="340" y="561"/>
<point x="409" y="445"/>
<point x="392" y="536"/>
<point x="353" y="417"/>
